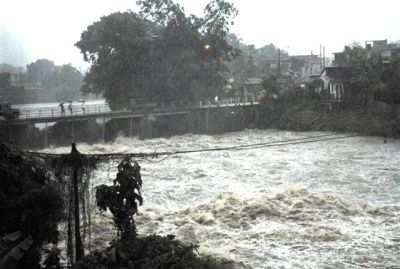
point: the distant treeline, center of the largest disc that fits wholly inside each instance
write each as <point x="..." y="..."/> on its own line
<point x="41" y="81"/>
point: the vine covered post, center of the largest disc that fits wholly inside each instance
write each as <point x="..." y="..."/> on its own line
<point x="76" y="163"/>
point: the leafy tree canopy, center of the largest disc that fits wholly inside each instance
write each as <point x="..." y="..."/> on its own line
<point x="159" y="55"/>
<point x="57" y="83"/>
<point x="251" y="61"/>
<point x="271" y="84"/>
<point x="377" y="77"/>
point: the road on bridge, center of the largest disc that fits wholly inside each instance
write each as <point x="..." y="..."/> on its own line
<point x="48" y="112"/>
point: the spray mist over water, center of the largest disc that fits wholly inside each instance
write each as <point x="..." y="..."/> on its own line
<point x="324" y="204"/>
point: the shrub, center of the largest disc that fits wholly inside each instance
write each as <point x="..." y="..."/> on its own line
<point x="29" y="202"/>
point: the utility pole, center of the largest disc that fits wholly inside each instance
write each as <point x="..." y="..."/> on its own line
<point x="311" y="63"/>
<point x="279" y="62"/>
<point x="320" y="56"/>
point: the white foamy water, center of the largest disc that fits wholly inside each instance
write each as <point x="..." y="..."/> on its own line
<point x="331" y="204"/>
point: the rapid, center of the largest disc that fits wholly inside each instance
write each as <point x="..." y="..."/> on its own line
<point x="327" y="204"/>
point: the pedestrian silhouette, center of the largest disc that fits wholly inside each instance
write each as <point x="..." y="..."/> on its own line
<point x="62" y="108"/>
<point x="83" y="107"/>
<point x="70" y="107"/>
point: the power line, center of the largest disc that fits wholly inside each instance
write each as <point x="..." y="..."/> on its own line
<point x="167" y="154"/>
<point x="260" y="145"/>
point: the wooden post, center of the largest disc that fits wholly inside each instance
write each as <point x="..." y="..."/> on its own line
<point x="75" y="158"/>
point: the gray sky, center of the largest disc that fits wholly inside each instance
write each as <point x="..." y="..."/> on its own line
<point x="31" y="30"/>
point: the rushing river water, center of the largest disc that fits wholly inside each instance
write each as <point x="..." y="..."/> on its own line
<point x="330" y="204"/>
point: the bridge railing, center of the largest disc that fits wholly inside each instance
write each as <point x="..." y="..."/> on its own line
<point x="77" y="110"/>
<point x="53" y="112"/>
<point x="233" y="101"/>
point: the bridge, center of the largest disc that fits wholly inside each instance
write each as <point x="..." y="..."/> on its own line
<point x="99" y="111"/>
<point x="73" y="125"/>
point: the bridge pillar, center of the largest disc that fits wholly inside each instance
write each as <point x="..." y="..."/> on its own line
<point x="73" y="131"/>
<point x="11" y="134"/>
<point x="103" y="134"/>
<point x="258" y="116"/>
<point x="243" y="118"/>
<point x="207" y="119"/>
<point x="45" y="135"/>
<point x="146" y="127"/>
<point x="131" y="127"/>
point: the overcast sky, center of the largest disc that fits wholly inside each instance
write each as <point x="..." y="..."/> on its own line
<point x="35" y="29"/>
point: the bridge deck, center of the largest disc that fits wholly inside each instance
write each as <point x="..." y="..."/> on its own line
<point x="102" y="111"/>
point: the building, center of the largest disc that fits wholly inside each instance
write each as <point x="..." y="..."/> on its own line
<point x="334" y="84"/>
<point x="340" y="59"/>
<point x="378" y="47"/>
<point x="300" y="67"/>
<point x="246" y="90"/>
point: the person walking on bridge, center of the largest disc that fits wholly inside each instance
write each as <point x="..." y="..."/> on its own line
<point x="70" y="107"/>
<point x="62" y="108"/>
<point x="83" y="107"/>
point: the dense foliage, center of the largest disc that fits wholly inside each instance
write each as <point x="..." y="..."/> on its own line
<point x="160" y="55"/>
<point x="251" y="62"/>
<point x="371" y="109"/>
<point x="376" y="77"/>
<point x="53" y="82"/>
<point x="153" y="252"/>
<point x="29" y="202"/>
<point x="123" y="198"/>
<point x="42" y="81"/>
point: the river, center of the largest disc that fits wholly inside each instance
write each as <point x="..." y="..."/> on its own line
<point x="328" y="204"/>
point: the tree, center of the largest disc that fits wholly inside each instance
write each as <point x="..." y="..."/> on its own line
<point x="271" y="84"/>
<point x="368" y="69"/>
<point x="376" y="78"/>
<point x="29" y="202"/>
<point x="159" y="55"/>
<point x="270" y="52"/>
<point x="123" y="198"/>
<point x="68" y="83"/>
<point x="56" y="83"/>
<point x="39" y="71"/>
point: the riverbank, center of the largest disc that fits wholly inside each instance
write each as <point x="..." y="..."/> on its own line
<point x="303" y="115"/>
<point x="282" y="114"/>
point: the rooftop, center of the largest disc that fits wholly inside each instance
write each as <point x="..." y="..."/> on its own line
<point x="343" y="73"/>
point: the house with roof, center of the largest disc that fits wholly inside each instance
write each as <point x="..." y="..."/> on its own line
<point x="334" y="84"/>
